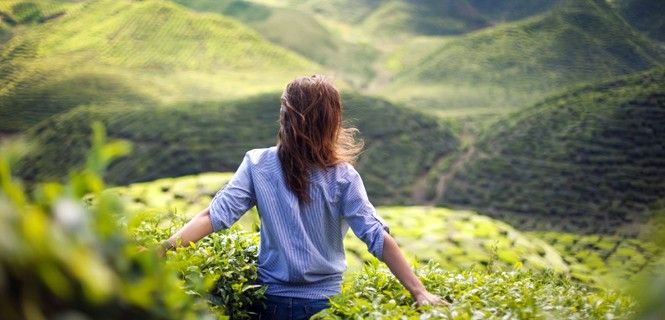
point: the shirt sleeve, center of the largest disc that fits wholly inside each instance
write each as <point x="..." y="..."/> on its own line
<point x="361" y="215"/>
<point x="232" y="201"/>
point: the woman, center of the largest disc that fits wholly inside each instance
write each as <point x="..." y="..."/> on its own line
<point x="307" y="194"/>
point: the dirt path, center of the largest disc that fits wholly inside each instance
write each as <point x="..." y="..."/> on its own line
<point x="442" y="183"/>
<point x="420" y="186"/>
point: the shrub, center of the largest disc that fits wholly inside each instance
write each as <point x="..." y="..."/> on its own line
<point x="63" y="259"/>
<point x="476" y="294"/>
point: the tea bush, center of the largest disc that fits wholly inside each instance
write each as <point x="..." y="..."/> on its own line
<point x="65" y="258"/>
<point x="62" y="259"/>
<point x="224" y="262"/>
<point x="476" y="294"/>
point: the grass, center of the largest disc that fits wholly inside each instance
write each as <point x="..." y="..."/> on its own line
<point x="586" y="160"/>
<point x="185" y="139"/>
<point x="158" y="49"/>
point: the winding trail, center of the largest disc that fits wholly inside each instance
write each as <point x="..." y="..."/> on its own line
<point x="420" y="187"/>
<point x="442" y="183"/>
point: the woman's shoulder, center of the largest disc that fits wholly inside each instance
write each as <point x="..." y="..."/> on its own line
<point x="261" y="155"/>
<point x="346" y="172"/>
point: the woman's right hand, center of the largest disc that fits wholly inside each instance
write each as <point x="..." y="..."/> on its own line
<point x="427" y="298"/>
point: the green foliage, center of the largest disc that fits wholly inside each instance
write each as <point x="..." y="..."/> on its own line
<point x="224" y="263"/>
<point x="87" y="264"/>
<point x="454" y="239"/>
<point x="610" y="260"/>
<point x="487" y="263"/>
<point x="187" y="139"/>
<point x="65" y="259"/>
<point x="475" y="293"/>
<point x="587" y="160"/>
<point x="458" y="240"/>
<point x="41" y="96"/>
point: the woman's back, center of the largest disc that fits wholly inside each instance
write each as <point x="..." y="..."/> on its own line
<point x="308" y="195"/>
<point x="301" y="253"/>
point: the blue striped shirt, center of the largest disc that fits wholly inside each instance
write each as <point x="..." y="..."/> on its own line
<point x="301" y="253"/>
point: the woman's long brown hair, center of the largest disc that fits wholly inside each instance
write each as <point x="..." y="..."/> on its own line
<point x="311" y="134"/>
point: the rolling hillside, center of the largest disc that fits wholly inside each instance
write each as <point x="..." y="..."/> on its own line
<point x="424" y="17"/>
<point x="645" y="15"/>
<point x="301" y="32"/>
<point x="17" y="16"/>
<point x="123" y="46"/>
<point x="518" y="63"/>
<point x="510" y="10"/>
<point x="587" y="160"/>
<point x="190" y="138"/>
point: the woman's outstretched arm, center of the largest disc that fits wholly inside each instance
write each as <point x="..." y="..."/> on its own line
<point x="398" y="265"/>
<point x="198" y="227"/>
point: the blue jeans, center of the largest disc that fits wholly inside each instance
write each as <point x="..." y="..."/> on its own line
<point x="287" y="308"/>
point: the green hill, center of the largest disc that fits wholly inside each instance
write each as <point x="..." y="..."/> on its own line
<point x="510" y="10"/>
<point x="301" y="32"/>
<point x="155" y="49"/>
<point x="20" y="12"/>
<point x="346" y="11"/>
<point x="645" y="15"/>
<point x="17" y="15"/>
<point x="389" y="20"/>
<point x="424" y="17"/>
<point x="587" y="160"/>
<point x="189" y="138"/>
<point x="517" y="63"/>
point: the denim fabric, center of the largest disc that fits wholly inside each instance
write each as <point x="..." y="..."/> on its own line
<point x="287" y="308"/>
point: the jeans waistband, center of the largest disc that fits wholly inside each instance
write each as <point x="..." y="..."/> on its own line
<point x="293" y="300"/>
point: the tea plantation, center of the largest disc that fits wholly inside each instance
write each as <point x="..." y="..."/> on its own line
<point x="588" y="160"/>
<point x="191" y="138"/>
<point x="516" y="150"/>
<point x="455" y="240"/>
<point x="519" y="63"/>
<point x="90" y="263"/>
<point x="138" y="51"/>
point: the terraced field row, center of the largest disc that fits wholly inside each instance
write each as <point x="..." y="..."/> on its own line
<point x="589" y="160"/>
<point x="454" y="239"/>
<point x="133" y="52"/>
<point x="192" y="138"/>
